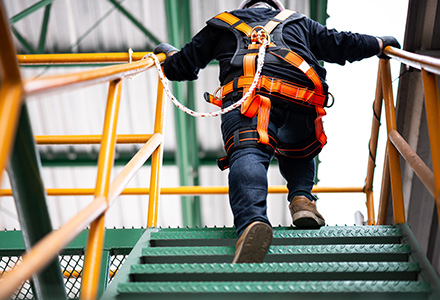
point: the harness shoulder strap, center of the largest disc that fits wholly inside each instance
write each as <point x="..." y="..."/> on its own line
<point x="279" y="18"/>
<point x="233" y="22"/>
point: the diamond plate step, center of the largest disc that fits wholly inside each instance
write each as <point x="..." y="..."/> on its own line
<point x="343" y="263"/>
<point x="318" y="253"/>
<point x="351" y="289"/>
<point x="276" y="271"/>
<point x="327" y="235"/>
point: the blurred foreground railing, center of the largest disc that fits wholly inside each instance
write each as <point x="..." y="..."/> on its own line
<point x="12" y="92"/>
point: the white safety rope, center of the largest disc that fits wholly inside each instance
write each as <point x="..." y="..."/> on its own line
<point x="260" y="63"/>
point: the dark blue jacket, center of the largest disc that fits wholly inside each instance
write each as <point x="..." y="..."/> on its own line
<point x="311" y="40"/>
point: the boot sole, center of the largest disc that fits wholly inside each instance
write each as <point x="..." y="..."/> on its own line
<point x="307" y="220"/>
<point x="255" y="244"/>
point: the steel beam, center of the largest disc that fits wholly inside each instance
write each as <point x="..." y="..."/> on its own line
<point x="43" y="32"/>
<point x="30" y="200"/>
<point x="30" y="10"/>
<point x="183" y="162"/>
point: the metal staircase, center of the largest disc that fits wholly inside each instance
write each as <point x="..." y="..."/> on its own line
<point x="334" y="262"/>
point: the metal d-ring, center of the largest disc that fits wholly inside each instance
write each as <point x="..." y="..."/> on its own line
<point x="258" y="38"/>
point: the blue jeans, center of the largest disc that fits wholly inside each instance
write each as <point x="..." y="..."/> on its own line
<point x="248" y="167"/>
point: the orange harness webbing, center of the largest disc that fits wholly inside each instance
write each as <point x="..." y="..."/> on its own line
<point x="258" y="105"/>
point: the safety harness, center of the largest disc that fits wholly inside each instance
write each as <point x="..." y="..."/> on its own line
<point x="249" y="40"/>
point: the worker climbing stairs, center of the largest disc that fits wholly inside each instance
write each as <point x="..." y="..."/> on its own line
<point x="336" y="261"/>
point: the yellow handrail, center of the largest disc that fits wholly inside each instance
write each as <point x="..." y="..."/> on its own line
<point x="10" y="93"/>
<point x="45" y="250"/>
<point x="78" y="58"/>
<point x="95" y="243"/>
<point x="187" y="190"/>
<point x="430" y="68"/>
<point x="90" y="139"/>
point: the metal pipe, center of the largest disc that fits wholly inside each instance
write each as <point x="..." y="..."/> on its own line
<point x="11" y="91"/>
<point x="92" y="263"/>
<point x="90" y="139"/>
<point x="183" y="190"/>
<point x="384" y="191"/>
<point x="48" y="247"/>
<point x="372" y="147"/>
<point x="416" y="163"/>
<point x="396" y="176"/>
<point x="78" y="58"/>
<point x="432" y="103"/>
<point x="121" y="181"/>
<point x="30" y="201"/>
<point x="414" y="60"/>
<point x="85" y="78"/>
<point x="156" y="160"/>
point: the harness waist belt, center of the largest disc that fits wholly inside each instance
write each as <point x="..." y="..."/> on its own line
<point x="279" y="86"/>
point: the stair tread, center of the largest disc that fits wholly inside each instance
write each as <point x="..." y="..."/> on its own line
<point x="274" y="250"/>
<point x="302" y="267"/>
<point x="279" y="232"/>
<point x="276" y="287"/>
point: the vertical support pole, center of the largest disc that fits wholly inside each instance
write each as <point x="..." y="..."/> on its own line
<point x="432" y="103"/>
<point x="372" y="147"/>
<point x="185" y="12"/>
<point x="394" y="163"/>
<point x="30" y="199"/>
<point x="105" y="272"/>
<point x="95" y="242"/>
<point x="183" y="163"/>
<point x="156" y="160"/>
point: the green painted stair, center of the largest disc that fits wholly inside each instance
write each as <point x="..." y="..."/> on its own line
<point x="333" y="262"/>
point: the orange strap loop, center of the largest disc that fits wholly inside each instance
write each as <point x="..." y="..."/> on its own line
<point x="258" y="106"/>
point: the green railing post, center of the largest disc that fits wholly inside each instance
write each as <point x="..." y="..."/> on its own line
<point x="30" y="200"/>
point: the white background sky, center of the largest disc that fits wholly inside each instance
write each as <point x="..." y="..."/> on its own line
<point x="348" y="122"/>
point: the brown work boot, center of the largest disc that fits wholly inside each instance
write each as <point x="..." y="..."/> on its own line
<point x="304" y="213"/>
<point x="253" y="244"/>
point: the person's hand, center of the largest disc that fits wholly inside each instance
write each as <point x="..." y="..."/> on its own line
<point x="387" y="41"/>
<point x="165" y="48"/>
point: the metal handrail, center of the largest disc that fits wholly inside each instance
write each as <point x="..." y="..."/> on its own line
<point x="187" y="190"/>
<point x="418" y="61"/>
<point x="430" y="68"/>
<point x="105" y="193"/>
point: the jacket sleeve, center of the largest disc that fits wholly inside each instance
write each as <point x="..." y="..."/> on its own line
<point x="196" y="55"/>
<point x="333" y="46"/>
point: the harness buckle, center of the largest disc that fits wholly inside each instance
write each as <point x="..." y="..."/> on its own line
<point x="216" y="94"/>
<point x="259" y="34"/>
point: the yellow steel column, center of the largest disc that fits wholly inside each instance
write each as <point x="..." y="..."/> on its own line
<point x="372" y="147"/>
<point x="432" y="103"/>
<point x="11" y="91"/>
<point x="89" y="287"/>
<point x="156" y="160"/>
<point x="394" y="163"/>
